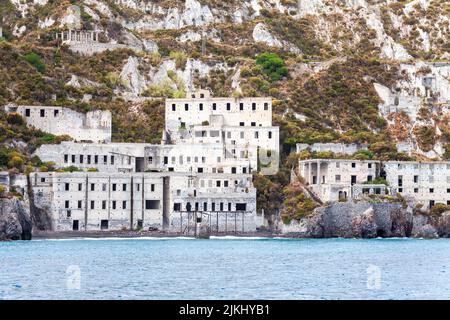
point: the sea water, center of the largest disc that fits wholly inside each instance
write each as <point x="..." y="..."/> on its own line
<point x="225" y="268"/>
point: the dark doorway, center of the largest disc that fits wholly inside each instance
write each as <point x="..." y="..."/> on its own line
<point x="75" y="225"/>
<point x="353" y="180"/>
<point x="104" y="224"/>
<point x="140" y="165"/>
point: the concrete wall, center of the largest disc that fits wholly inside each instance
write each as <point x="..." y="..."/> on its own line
<point x="426" y="182"/>
<point x="93" y="126"/>
<point x="341" y="148"/>
<point x="332" y="179"/>
<point x="120" y="157"/>
<point x="194" y="111"/>
<point x="93" y="197"/>
<point x="88" y="49"/>
<point x="242" y="125"/>
<point x="138" y="157"/>
<point x="122" y="199"/>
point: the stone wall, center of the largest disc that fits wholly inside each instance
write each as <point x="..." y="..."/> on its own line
<point x="332" y="147"/>
<point x="95" y="126"/>
<point x="89" y="49"/>
<point x="113" y="201"/>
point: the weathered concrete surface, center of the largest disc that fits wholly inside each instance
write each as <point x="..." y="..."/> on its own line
<point x="15" y="222"/>
<point x="369" y="220"/>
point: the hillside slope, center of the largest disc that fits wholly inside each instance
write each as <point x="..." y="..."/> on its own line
<point x="371" y="71"/>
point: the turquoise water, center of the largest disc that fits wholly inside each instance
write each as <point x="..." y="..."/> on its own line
<point x="225" y="269"/>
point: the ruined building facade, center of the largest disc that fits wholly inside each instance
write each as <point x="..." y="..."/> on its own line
<point x="93" y="126"/>
<point x="423" y="183"/>
<point x="200" y="173"/>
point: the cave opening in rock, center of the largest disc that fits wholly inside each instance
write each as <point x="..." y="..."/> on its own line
<point x="381" y="233"/>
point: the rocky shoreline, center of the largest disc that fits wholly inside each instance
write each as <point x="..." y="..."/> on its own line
<point x="53" y="235"/>
<point x="370" y="220"/>
<point x="338" y="220"/>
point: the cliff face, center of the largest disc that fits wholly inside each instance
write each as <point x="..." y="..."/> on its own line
<point x="369" y="220"/>
<point x="15" y="222"/>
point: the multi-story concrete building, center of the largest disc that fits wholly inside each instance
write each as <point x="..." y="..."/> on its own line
<point x="200" y="171"/>
<point x="141" y="157"/>
<point x="332" y="179"/>
<point x="427" y="183"/>
<point x="165" y="201"/>
<point x="93" y="126"/>
<point x="238" y="123"/>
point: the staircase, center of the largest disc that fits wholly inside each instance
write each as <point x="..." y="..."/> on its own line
<point x="306" y="190"/>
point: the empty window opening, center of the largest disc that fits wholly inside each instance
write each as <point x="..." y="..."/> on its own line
<point x="153" y="205"/>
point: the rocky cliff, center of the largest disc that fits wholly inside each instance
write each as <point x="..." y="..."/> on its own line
<point x="369" y="220"/>
<point x="15" y="221"/>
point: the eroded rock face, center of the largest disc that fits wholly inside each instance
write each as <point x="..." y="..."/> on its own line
<point x="15" y="222"/>
<point x="443" y="225"/>
<point x="364" y="225"/>
<point x="131" y="77"/>
<point x="359" y="220"/>
<point x="369" y="220"/>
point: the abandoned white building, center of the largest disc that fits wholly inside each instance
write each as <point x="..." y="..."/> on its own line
<point x="87" y="42"/>
<point x="166" y="201"/>
<point x="141" y="157"/>
<point x="332" y="179"/>
<point x="93" y="126"/>
<point x="201" y="171"/>
<point x="238" y="123"/>
<point x="427" y="183"/>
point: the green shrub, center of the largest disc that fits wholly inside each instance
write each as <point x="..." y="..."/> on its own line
<point x="36" y="61"/>
<point x="70" y="169"/>
<point x="15" y="118"/>
<point x="272" y="65"/>
<point x="363" y="155"/>
<point x="180" y="59"/>
<point x="378" y="180"/>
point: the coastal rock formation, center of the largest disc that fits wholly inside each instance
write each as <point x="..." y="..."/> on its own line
<point x="15" y="222"/>
<point x="443" y="225"/>
<point x="369" y="220"/>
<point x="428" y="226"/>
<point x="363" y="220"/>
